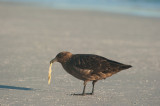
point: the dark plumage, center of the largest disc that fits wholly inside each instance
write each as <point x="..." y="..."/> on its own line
<point x="88" y="67"/>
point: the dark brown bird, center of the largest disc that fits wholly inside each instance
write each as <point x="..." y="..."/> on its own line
<point x="88" y="67"/>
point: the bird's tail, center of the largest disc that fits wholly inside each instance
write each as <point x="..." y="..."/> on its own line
<point x="123" y="67"/>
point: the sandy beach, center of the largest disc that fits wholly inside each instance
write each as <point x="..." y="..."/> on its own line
<point x="31" y="36"/>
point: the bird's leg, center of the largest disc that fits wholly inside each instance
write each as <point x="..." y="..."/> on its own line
<point x="93" y="83"/>
<point x="85" y="83"/>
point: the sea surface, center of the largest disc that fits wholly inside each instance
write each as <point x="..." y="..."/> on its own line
<point x="148" y="8"/>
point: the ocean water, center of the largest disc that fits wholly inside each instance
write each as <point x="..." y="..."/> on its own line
<point x="148" y="8"/>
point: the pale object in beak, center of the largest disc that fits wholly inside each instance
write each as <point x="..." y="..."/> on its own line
<point x="50" y="70"/>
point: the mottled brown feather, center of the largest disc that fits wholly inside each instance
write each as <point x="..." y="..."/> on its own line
<point x="89" y="66"/>
<point x="95" y="63"/>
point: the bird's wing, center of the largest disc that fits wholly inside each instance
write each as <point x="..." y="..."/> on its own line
<point x="96" y="63"/>
<point x="93" y="62"/>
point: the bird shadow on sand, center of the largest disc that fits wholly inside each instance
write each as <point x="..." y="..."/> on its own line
<point x="15" y="87"/>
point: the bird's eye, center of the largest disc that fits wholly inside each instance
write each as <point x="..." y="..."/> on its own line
<point x="59" y="56"/>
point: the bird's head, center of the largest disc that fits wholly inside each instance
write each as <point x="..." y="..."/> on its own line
<point x="62" y="57"/>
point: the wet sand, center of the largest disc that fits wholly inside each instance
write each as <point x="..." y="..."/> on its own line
<point x="31" y="36"/>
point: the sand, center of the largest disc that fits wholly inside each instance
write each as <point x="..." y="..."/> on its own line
<point x="31" y="36"/>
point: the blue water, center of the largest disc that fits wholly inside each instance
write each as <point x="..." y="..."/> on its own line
<point x="149" y="8"/>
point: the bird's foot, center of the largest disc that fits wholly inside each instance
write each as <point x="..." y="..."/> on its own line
<point x="87" y="94"/>
<point x="82" y="94"/>
<point x="92" y="93"/>
<point x="78" y="94"/>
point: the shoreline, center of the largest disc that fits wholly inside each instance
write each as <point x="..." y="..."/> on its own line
<point x="125" y="13"/>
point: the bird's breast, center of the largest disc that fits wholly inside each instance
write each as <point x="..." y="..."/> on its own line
<point x="85" y="74"/>
<point x="82" y="74"/>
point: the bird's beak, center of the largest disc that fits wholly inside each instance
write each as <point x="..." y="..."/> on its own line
<point x="53" y="60"/>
